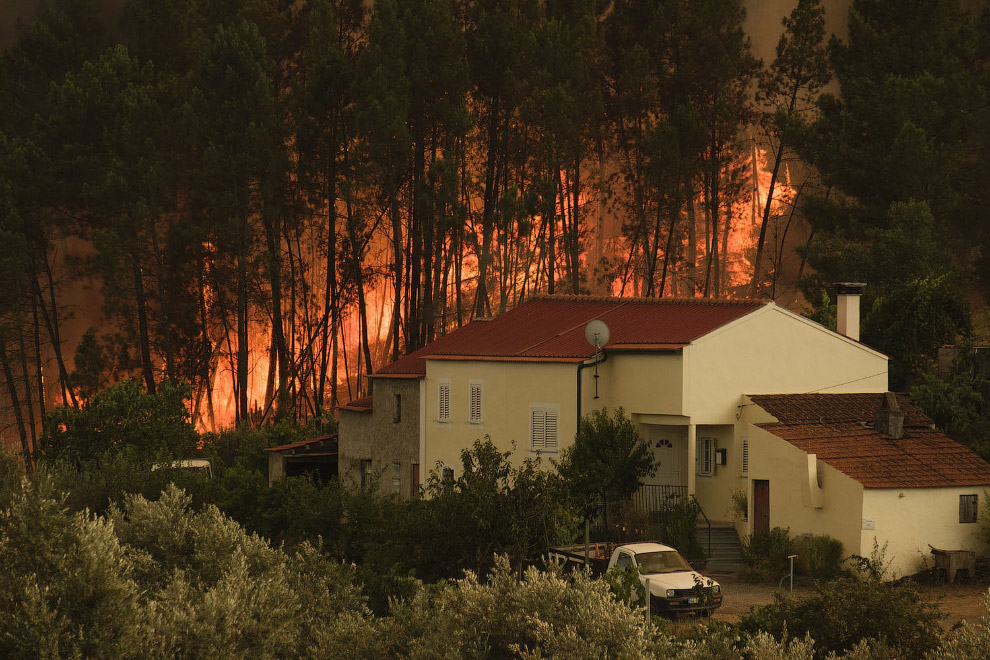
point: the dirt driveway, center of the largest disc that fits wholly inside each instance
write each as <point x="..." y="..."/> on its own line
<point x="958" y="602"/>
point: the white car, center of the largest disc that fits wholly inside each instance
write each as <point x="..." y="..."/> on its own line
<point x="673" y="585"/>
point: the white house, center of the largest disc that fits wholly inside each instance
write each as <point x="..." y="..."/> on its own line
<point x="681" y="369"/>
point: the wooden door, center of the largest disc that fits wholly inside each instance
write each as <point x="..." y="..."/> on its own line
<point x="761" y="506"/>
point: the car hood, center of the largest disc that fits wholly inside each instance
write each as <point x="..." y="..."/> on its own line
<point x="660" y="582"/>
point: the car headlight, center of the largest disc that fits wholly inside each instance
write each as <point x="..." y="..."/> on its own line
<point x="716" y="589"/>
<point x="670" y="593"/>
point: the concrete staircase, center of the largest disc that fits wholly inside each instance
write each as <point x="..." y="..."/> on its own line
<point x="726" y="553"/>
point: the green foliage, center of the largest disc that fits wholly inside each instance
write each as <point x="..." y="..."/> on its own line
<point x="765" y="553"/>
<point x="738" y="504"/>
<point x="120" y="419"/>
<point x="845" y="612"/>
<point x="818" y="556"/>
<point x="678" y="528"/>
<point x="497" y="507"/>
<point x="969" y="641"/>
<point x="606" y="462"/>
<point x="543" y="615"/>
<point x="68" y="586"/>
<point x="625" y="585"/>
<point x="957" y="401"/>
<point x="96" y="484"/>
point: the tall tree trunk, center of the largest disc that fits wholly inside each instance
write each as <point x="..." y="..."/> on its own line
<point x="164" y="303"/>
<point x="396" y="273"/>
<point x="39" y="365"/>
<point x="52" y="324"/>
<point x="778" y="158"/>
<point x="14" y="399"/>
<point x="481" y="302"/>
<point x="22" y="351"/>
<point x="144" y="340"/>
<point x="273" y="235"/>
<point x="692" y="246"/>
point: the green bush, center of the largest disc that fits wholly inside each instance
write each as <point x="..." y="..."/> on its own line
<point x="818" y="556"/>
<point x="765" y="554"/>
<point x="845" y="612"/>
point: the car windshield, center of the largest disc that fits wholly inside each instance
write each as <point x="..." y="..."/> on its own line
<point x="666" y="561"/>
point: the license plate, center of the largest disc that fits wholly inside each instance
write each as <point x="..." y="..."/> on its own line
<point x="692" y="601"/>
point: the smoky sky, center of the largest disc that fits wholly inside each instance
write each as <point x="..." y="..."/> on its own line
<point x="762" y="22"/>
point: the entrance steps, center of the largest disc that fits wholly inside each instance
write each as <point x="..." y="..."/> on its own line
<point x="726" y="549"/>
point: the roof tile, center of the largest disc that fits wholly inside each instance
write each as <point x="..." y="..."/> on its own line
<point x="552" y="328"/>
<point x="838" y="428"/>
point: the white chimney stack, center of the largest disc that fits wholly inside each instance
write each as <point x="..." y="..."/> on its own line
<point x="847" y="308"/>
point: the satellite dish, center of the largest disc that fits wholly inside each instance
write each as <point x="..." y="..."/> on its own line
<point x="597" y="333"/>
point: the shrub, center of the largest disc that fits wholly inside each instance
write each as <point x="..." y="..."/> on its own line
<point x="818" y="556"/>
<point x="543" y="615"/>
<point x="846" y="611"/>
<point x="765" y="554"/>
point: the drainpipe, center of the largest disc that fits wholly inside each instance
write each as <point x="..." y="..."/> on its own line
<point x="599" y="358"/>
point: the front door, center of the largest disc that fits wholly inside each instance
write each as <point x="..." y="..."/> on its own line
<point x="761" y="505"/>
<point x="667" y="452"/>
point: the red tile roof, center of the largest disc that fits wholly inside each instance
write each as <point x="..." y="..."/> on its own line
<point x="858" y="407"/>
<point x="839" y="429"/>
<point x="551" y="328"/>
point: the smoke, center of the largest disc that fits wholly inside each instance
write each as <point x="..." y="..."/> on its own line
<point x="763" y="22"/>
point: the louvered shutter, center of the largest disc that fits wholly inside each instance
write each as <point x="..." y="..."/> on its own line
<point x="475" y="412"/>
<point x="538" y="429"/>
<point x="444" y="403"/>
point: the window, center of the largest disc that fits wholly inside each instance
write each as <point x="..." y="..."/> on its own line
<point x="396" y="408"/>
<point x="443" y="402"/>
<point x="543" y="428"/>
<point x="745" y="453"/>
<point x="396" y="479"/>
<point x="365" y="473"/>
<point x="967" y="508"/>
<point x="414" y="480"/>
<point x="474" y="414"/>
<point x="705" y="459"/>
<point x="623" y="561"/>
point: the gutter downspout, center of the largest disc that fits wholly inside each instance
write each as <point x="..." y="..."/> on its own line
<point x="600" y="358"/>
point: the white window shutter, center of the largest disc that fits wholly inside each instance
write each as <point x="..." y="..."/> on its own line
<point x="475" y="411"/>
<point x="550" y="434"/>
<point x="538" y="429"/>
<point x="444" y="403"/>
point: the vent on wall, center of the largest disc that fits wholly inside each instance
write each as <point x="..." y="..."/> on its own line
<point x="745" y="453"/>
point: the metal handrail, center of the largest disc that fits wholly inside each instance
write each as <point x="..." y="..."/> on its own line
<point x="707" y="522"/>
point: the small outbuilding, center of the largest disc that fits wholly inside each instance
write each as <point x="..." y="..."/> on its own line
<point x="317" y="456"/>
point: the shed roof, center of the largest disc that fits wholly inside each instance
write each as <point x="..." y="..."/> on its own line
<point x="551" y="329"/>
<point x="838" y="428"/>
<point x="362" y="405"/>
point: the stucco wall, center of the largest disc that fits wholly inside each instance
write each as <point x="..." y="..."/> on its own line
<point x="378" y="437"/>
<point x="644" y="383"/>
<point x="773" y="352"/>
<point x="908" y="520"/>
<point x="786" y="468"/>
<point x="508" y="390"/>
<point x="714" y="493"/>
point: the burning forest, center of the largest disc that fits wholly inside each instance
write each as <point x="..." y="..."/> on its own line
<point x="271" y="201"/>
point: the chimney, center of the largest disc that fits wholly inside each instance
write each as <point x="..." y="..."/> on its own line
<point x="889" y="418"/>
<point x="847" y="308"/>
